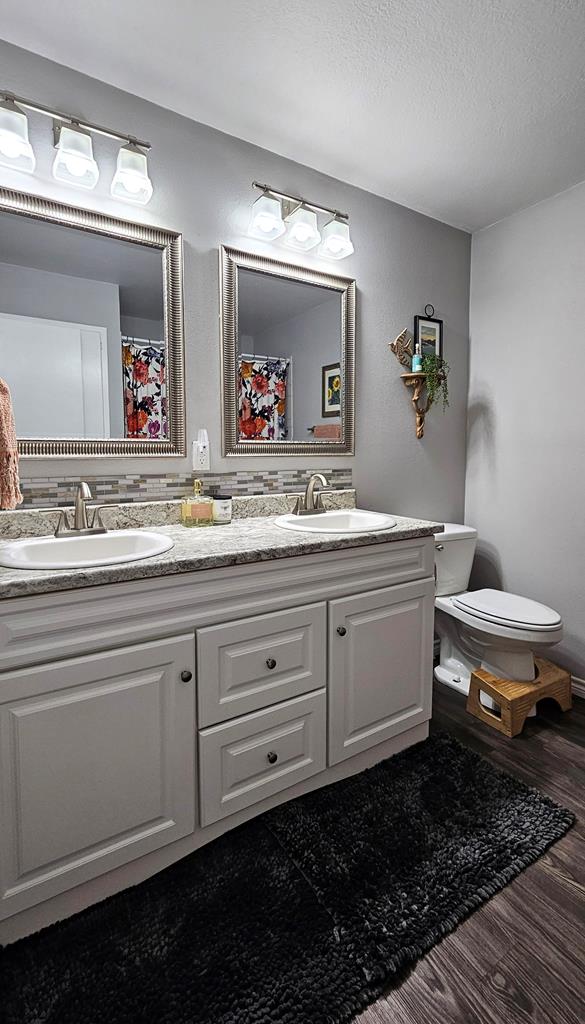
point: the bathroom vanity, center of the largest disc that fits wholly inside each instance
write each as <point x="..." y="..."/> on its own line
<point x="147" y="708"/>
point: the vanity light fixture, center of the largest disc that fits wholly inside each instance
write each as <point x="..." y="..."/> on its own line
<point x="276" y="211"/>
<point x="335" y="240"/>
<point x="302" y="231"/>
<point x="15" y="149"/>
<point x="131" y="181"/>
<point x="74" y="161"/>
<point x="266" y="221"/>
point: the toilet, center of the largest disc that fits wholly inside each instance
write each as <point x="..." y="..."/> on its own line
<point x="488" y="629"/>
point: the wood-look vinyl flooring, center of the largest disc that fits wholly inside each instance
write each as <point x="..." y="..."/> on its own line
<point x="521" y="957"/>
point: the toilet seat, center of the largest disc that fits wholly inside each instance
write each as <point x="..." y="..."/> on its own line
<point x="509" y="610"/>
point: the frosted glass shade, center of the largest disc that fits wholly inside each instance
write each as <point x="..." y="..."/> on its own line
<point x="15" y="149"/>
<point x="266" y="221"/>
<point x="303" y="233"/>
<point x="131" y="181"/>
<point x="74" y="162"/>
<point x="336" y="243"/>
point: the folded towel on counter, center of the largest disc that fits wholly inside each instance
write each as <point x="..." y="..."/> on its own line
<point x="10" y="495"/>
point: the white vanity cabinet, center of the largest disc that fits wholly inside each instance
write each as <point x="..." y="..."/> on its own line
<point x="96" y="765"/>
<point x="140" y="720"/>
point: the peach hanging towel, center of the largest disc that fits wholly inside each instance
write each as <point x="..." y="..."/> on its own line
<point x="10" y="495"/>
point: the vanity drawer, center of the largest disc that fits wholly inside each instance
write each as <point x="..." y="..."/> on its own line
<point x="249" y="664"/>
<point x="244" y="761"/>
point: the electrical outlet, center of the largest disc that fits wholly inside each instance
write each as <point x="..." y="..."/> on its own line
<point x="201" y="460"/>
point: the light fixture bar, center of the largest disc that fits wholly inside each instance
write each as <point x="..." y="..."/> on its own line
<point x="298" y="200"/>
<point x="58" y="115"/>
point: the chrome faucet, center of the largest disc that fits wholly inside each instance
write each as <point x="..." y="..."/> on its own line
<point x="312" y="503"/>
<point x="80" y="522"/>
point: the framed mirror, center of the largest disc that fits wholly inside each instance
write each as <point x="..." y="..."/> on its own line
<point x="91" y="331"/>
<point x="288" y="354"/>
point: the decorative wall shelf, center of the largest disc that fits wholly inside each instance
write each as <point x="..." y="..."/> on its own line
<point x="403" y="348"/>
<point x="416" y="381"/>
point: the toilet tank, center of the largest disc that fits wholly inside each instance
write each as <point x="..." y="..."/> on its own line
<point x="454" y="551"/>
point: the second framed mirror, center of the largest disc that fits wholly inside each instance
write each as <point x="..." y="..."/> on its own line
<point x="288" y="358"/>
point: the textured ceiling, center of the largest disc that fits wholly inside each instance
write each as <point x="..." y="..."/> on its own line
<point x="463" y="109"/>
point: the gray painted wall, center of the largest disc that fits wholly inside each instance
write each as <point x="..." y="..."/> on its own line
<point x="141" y="328"/>
<point x="526" y="445"/>
<point x="28" y="292"/>
<point x="202" y="187"/>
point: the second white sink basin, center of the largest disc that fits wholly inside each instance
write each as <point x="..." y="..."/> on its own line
<point x="350" y="520"/>
<point x="83" y="552"/>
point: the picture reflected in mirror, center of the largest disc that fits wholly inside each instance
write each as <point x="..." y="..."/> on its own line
<point x="289" y="335"/>
<point x="82" y="334"/>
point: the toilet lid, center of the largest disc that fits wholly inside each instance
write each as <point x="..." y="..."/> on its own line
<point x="508" y="609"/>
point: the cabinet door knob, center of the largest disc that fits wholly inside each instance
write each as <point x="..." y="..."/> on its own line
<point x="186" y="676"/>
<point x="270" y="663"/>
<point x="272" y="757"/>
<point x="341" y="630"/>
<point x="439" y="547"/>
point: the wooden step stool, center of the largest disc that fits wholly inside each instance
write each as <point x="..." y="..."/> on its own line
<point x="516" y="699"/>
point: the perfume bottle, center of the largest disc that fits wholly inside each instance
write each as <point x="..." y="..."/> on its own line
<point x="197" y="508"/>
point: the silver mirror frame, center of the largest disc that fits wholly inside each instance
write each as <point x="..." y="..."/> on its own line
<point x="170" y="244"/>
<point x="230" y="261"/>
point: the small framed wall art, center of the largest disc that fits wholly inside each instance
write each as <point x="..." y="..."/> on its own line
<point x="331" y="390"/>
<point x="428" y="332"/>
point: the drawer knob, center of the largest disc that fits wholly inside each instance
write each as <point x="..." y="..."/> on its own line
<point x="186" y="676"/>
<point x="270" y="663"/>
<point x="341" y="630"/>
<point x="272" y="757"/>
<point x="439" y="547"/>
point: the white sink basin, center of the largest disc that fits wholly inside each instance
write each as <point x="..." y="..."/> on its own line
<point x="83" y="552"/>
<point x="350" y="520"/>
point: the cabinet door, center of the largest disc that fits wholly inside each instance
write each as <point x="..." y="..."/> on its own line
<point x="96" y="764"/>
<point x="380" y="666"/>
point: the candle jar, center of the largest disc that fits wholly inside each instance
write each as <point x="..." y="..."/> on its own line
<point x="222" y="509"/>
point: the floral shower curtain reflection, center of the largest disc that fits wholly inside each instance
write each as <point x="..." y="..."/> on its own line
<point x="145" y="389"/>
<point x="263" y="397"/>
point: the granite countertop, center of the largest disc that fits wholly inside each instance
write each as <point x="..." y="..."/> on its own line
<point x="241" y="542"/>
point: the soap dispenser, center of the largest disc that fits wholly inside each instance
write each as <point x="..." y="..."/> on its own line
<point x="197" y="508"/>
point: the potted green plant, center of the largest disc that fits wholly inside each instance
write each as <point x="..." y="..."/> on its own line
<point x="437" y="371"/>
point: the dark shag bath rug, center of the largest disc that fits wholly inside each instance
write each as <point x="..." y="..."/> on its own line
<point x="302" y="916"/>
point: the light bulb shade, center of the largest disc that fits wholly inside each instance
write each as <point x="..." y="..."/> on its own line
<point x="15" y="149"/>
<point x="266" y="221"/>
<point x="74" y="162"/>
<point x="335" y="241"/>
<point x="303" y="233"/>
<point x="131" y="181"/>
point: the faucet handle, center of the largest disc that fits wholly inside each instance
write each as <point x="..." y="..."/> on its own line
<point x="97" y="522"/>
<point x="319" y="506"/>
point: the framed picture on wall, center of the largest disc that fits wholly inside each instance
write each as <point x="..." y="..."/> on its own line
<point x="429" y="332"/>
<point x="331" y="390"/>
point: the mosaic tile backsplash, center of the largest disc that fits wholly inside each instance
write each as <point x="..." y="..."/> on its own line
<point x="39" y="492"/>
